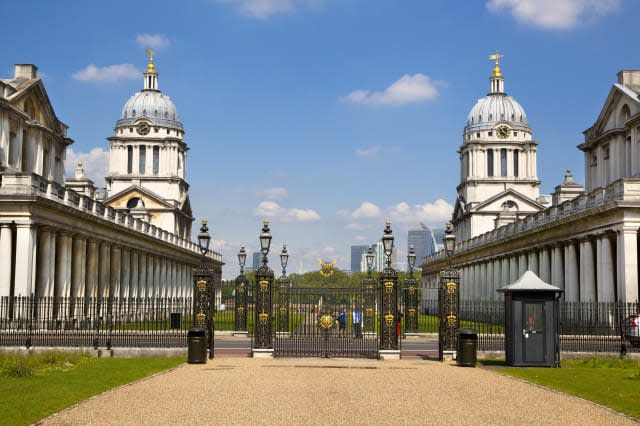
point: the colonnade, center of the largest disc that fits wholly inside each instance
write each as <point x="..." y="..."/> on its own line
<point x="47" y="261"/>
<point x="598" y="267"/>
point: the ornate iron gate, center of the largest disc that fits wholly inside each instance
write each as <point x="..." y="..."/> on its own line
<point x="314" y="328"/>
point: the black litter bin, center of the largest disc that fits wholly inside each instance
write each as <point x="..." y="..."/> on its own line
<point x="197" y="346"/>
<point x="175" y="320"/>
<point x="467" y="347"/>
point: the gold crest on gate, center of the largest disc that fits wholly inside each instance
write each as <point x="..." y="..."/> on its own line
<point x="452" y="320"/>
<point x="201" y="318"/>
<point x="326" y="321"/>
<point x="451" y="287"/>
<point x="202" y="285"/>
<point x="264" y="285"/>
<point x="263" y="317"/>
<point x="388" y="319"/>
<point x="388" y="286"/>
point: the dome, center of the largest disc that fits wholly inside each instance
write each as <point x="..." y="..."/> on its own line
<point x="495" y="108"/>
<point x="153" y="106"/>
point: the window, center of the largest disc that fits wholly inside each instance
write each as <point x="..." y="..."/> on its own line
<point x="490" y="162"/>
<point x="156" y="159"/>
<point x="478" y="135"/>
<point x="129" y="159"/>
<point x="515" y="162"/>
<point x="605" y="150"/>
<point x="503" y="162"/>
<point x="490" y="133"/>
<point x="515" y="133"/>
<point x="143" y="160"/>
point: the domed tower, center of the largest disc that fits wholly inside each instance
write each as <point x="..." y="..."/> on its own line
<point x="498" y="172"/>
<point x="147" y="160"/>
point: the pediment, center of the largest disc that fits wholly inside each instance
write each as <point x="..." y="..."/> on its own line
<point x="611" y="116"/>
<point x="33" y="100"/>
<point x="496" y="203"/>
<point x="151" y="199"/>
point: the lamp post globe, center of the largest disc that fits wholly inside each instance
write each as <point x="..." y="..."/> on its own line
<point x="411" y="259"/>
<point x="284" y="258"/>
<point x="265" y="241"/>
<point x="204" y="238"/>
<point x="242" y="258"/>
<point x="370" y="258"/>
<point x="387" y="242"/>
<point x="449" y="241"/>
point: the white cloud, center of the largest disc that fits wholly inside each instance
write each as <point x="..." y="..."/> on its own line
<point x="264" y="9"/>
<point x="368" y="152"/>
<point x="272" y="210"/>
<point x="408" y="89"/>
<point x="276" y="193"/>
<point x="366" y="210"/>
<point x="435" y="213"/>
<point x="94" y="162"/>
<point x="155" y="41"/>
<point x="110" y="73"/>
<point x="554" y="14"/>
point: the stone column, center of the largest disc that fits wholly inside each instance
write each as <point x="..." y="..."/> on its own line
<point x="43" y="259"/>
<point x="522" y="264"/>
<point x="6" y="254"/>
<point x="587" y="272"/>
<point x="504" y="280"/>
<point x="557" y="266"/>
<point x="4" y="138"/>
<point x="533" y="262"/>
<point x="26" y="239"/>
<point x="93" y="269"/>
<point x="627" y="263"/>
<point x="150" y="277"/>
<point x="571" y="274"/>
<point x="484" y="291"/>
<point x="497" y="278"/>
<point x="79" y="266"/>
<point x="125" y="273"/>
<point x="489" y="280"/>
<point x="135" y="275"/>
<point x="115" y="271"/>
<point x="104" y="279"/>
<point x="606" y="279"/>
<point x="62" y="287"/>
<point x="545" y="265"/>
<point x="142" y="280"/>
<point x="513" y="269"/>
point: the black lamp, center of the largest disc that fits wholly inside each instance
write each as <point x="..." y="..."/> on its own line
<point x="449" y="240"/>
<point x="204" y="238"/>
<point x="411" y="258"/>
<point x="284" y="258"/>
<point x="387" y="242"/>
<point x="370" y="257"/>
<point x="265" y="241"/>
<point x="242" y="258"/>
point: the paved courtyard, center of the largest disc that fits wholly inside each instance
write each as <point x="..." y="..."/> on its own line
<point x="250" y="391"/>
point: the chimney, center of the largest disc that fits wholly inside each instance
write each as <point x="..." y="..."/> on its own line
<point x="27" y="71"/>
<point x="629" y="78"/>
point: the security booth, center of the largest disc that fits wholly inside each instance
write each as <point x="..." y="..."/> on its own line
<point x="532" y="318"/>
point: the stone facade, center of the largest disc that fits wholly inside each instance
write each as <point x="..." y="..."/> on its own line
<point x="585" y="243"/>
<point x="60" y="240"/>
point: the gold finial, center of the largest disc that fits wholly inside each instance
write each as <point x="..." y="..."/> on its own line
<point x="497" y="72"/>
<point x="150" y="66"/>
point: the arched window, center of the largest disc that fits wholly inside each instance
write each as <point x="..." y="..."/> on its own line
<point x="142" y="160"/>
<point x="625" y="114"/>
<point x="156" y="160"/>
<point x="129" y="159"/>
<point x="135" y="202"/>
<point x="489" y="162"/>
<point x="515" y="163"/>
<point x="503" y="162"/>
<point x="133" y="113"/>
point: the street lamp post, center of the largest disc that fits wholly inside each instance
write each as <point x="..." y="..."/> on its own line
<point x="369" y="294"/>
<point x="448" y="299"/>
<point x="283" y="290"/>
<point x="263" y="339"/>
<point x="411" y="295"/>
<point x="241" y="293"/>
<point x="389" y="318"/>
<point x="204" y="296"/>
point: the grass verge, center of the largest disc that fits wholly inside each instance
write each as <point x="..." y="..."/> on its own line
<point x="608" y="381"/>
<point x="35" y="386"/>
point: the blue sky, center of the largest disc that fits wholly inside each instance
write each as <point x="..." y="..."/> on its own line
<point x="327" y="117"/>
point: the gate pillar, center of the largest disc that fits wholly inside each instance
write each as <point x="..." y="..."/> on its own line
<point x="263" y="321"/>
<point x="389" y="325"/>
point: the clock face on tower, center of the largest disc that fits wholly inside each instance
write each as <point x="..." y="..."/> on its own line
<point x="503" y="131"/>
<point x="142" y="128"/>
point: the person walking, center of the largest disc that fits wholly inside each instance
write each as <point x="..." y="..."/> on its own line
<point x="342" y="322"/>
<point x="357" y="322"/>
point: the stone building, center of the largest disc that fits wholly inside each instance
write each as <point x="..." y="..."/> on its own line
<point x="57" y="238"/>
<point x="585" y="242"/>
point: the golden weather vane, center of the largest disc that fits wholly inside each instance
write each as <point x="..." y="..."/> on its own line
<point x="496" y="57"/>
<point x="150" y="66"/>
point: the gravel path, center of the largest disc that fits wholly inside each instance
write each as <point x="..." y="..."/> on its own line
<point x="250" y="391"/>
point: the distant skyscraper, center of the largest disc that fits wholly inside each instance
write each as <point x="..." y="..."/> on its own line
<point x="425" y="241"/>
<point x="356" y="257"/>
<point x="257" y="260"/>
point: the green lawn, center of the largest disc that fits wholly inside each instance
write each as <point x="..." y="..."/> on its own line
<point x="608" y="381"/>
<point x="33" y="389"/>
